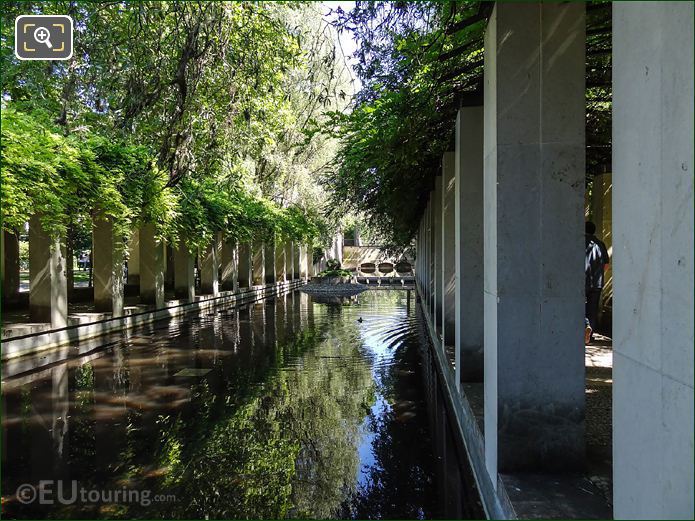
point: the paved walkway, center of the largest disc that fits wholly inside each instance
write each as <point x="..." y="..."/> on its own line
<point x="599" y="425"/>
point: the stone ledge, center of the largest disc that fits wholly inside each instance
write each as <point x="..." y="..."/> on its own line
<point x="32" y="339"/>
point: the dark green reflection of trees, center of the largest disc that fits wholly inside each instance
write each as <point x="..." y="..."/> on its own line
<point x="287" y="449"/>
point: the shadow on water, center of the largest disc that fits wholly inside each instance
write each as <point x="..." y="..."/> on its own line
<point x="285" y="408"/>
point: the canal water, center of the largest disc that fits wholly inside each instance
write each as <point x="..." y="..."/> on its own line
<point x="284" y="408"/>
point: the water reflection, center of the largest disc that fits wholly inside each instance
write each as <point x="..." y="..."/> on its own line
<point x="285" y="408"/>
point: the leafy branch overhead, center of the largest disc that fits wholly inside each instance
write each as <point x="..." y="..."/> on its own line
<point x="191" y="115"/>
<point x="417" y="62"/>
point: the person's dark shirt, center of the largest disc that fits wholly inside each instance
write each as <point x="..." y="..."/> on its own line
<point x="596" y="259"/>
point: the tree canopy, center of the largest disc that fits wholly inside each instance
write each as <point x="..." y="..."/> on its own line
<point x="197" y="116"/>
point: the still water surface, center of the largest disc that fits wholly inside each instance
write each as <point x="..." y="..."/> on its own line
<point x="287" y="407"/>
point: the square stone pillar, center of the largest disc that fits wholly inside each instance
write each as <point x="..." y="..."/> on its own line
<point x="426" y="259"/>
<point x="303" y="262"/>
<point x="448" y="241"/>
<point x="280" y="274"/>
<point x="151" y="267"/>
<point x="184" y="272"/>
<point x="418" y="255"/>
<point x="10" y="266"/>
<point x="210" y="268"/>
<point x="48" y="288"/>
<point x="169" y="267"/>
<point x="653" y="260"/>
<point x="258" y="276"/>
<point x="134" y="258"/>
<point x="534" y="173"/>
<point x="269" y="259"/>
<point x="230" y="265"/>
<point x="245" y="264"/>
<point x="289" y="260"/>
<point x="296" y="260"/>
<point x="469" y="242"/>
<point x="108" y="254"/>
<point x="436" y="197"/>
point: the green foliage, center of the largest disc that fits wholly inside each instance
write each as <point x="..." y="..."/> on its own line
<point x="393" y="140"/>
<point x="417" y="62"/>
<point x="198" y="117"/>
<point x="333" y="264"/>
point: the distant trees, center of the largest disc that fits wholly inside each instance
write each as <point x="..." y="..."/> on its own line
<point x="197" y="116"/>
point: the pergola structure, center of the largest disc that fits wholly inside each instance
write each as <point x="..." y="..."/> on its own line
<point x="500" y="252"/>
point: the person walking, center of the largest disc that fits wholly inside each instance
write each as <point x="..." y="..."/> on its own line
<point x="595" y="264"/>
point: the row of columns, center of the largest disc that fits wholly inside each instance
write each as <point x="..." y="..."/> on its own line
<point x="500" y="248"/>
<point x="224" y="266"/>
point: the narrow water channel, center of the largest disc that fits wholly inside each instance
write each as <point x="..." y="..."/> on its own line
<point x="287" y="407"/>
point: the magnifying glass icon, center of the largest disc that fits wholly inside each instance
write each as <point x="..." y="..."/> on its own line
<point x="43" y="35"/>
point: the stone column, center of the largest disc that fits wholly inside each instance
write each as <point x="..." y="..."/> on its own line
<point x="303" y="262"/>
<point x="151" y="267"/>
<point x="469" y="242"/>
<point x="108" y="253"/>
<point x="269" y="259"/>
<point x="448" y="241"/>
<point x="533" y="236"/>
<point x="258" y="264"/>
<point x="210" y="268"/>
<point x="48" y="288"/>
<point x="280" y="262"/>
<point x="437" y="253"/>
<point x="310" y="261"/>
<point x="289" y="260"/>
<point x="169" y="267"/>
<point x="296" y="260"/>
<point x="653" y="260"/>
<point x="427" y="272"/>
<point x="10" y="266"/>
<point x="230" y="265"/>
<point x="134" y="258"/>
<point x="245" y="264"/>
<point x="184" y="273"/>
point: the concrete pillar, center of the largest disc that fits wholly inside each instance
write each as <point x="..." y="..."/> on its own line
<point x="653" y="260"/>
<point x="48" y="290"/>
<point x="280" y="264"/>
<point x="184" y="272"/>
<point x="151" y="267"/>
<point x="437" y="253"/>
<point x="269" y="259"/>
<point x="428" y="256"/>
<point x="296" y="260"/>
<point x="10" y="266"/>
<point x="448" y="242"/>
<point x="289" y="260"/>
<point x="303" y="262"/>
<point x="169" y="267"/>
<point x="258" y="275"/>
<point x="230" y="265"/>
<point x="210" y="268"/>
<point x="469" y="242"/>
<point x="108" y="253"/>
<point x="431" y="245"/>
<point x="245" y="265"/>
<point x="134" y="258"/>
<point x="534" y="236"/>
<point x="310" y="261"/>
